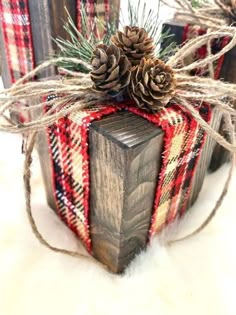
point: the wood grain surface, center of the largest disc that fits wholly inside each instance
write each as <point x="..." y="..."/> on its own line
<point x="5" y="73"/>
<point x="47" y="23"/>
<point x="125" y="154"/>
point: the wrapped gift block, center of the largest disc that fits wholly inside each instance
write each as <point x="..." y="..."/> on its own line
<point x="29" y="26"/>
<point x="225" y="69"/>
<point x="117" y="175"/>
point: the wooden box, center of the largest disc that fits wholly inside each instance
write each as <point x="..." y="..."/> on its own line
<point x="227" y="73"/>
<point x="125" y="160"/>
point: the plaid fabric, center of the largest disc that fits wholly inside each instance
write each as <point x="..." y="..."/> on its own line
<point x="192" y="31"/>
<point x="68" y="143"/>
<point x="15" y="22"/>
<point x="93" y="8"/>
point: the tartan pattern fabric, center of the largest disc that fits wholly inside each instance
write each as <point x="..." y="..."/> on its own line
<point x="15" y="22"/>
<point x="192" y="31"/>
<point x="183" y="142"/>
<point x="16" y="27"/>
<point x="93" y="8"/>
<point x="68" y="143"/>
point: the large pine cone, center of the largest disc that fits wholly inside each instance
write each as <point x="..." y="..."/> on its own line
<point x="135" y="43"/>
<point x="152" y="84"/>
<point x="111" y="69"/>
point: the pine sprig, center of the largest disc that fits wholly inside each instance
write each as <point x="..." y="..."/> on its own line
<point x="198" y="3"/>
<point x="139" y="15"/>
<point x="81" y="44"/>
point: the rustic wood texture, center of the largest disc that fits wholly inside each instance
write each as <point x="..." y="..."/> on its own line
<point x="5" y="73"/>
<point x="47" y="23"/>
<point x="42" y="147"/>
<point x="228" y="73"/>
<point x="125" y="154"/>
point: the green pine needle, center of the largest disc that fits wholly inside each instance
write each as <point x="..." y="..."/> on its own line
<point x="198" y="3"/>
<point x="81" y="45"/>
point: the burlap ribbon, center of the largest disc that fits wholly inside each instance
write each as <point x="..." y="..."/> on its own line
<point x="76" y="94"/>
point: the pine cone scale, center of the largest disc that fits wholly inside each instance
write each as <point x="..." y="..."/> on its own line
<point x="101" y="77"/>
<point x="102" y="69"/>
<point x="114" y="75"/>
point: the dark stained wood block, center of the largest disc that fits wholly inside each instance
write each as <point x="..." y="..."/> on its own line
<point x="5" y="73"/>
<point x="47" y="18"/>
<point x="228" y="73"/>
<point x="125" y="154"/>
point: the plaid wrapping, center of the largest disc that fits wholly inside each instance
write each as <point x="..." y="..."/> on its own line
<point x="68" y="143"/>
<point x="16" y="25"/>
<point x="192" y="31"/>
<point x="93" y="8"/>
<point x="15" y="20"/>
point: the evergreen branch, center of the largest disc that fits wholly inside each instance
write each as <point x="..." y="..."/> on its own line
<point x="140" y="16"/>
<point x="82" y="44"/>
<point x="198" y="3"/>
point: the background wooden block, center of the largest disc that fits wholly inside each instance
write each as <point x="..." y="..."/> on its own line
<point x="5" y="73"/>
<point x="47" y="18"/>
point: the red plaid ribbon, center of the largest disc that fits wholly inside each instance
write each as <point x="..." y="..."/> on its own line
<point x="68" y="143"/>
<point x="16" y="27"/>
<point x="15" y="20"/>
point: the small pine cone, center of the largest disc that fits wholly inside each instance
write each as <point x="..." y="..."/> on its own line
<point x="111" y="69"/>
<point x="135" y="43"/>
<point x="152" y="84"/>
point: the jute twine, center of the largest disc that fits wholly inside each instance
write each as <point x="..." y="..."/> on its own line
<point x="76" y="93"/>
<point x="209" y="15"/>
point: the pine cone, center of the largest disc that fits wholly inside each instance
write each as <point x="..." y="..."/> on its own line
<point x="152" y="84"/>
<point x="111" y="69"/>
<point x="135" y="43"/>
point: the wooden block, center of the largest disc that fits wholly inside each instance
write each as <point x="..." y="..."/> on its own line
<point x="125" y="154"/>
<point x="5" y="73"/>
<point x="46" y="23"/>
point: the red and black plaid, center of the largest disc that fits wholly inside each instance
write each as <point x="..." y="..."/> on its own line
<point x="15" y="21"/>
<point x="68" y="143"/>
